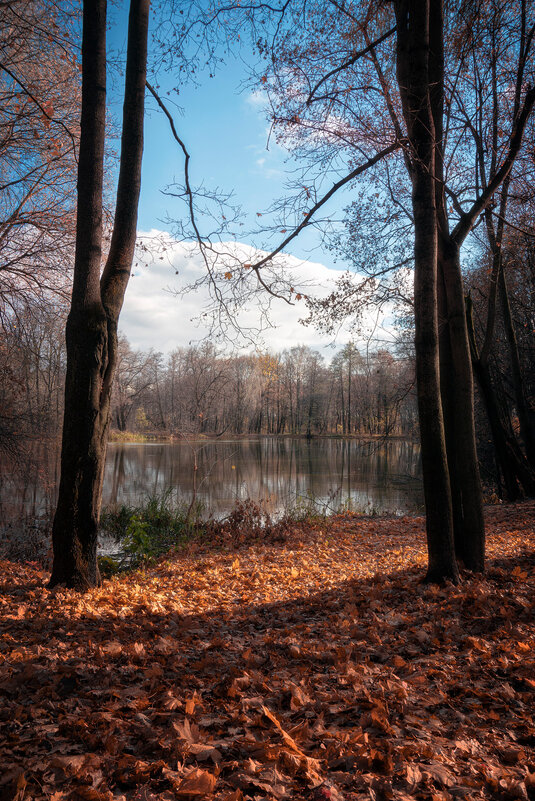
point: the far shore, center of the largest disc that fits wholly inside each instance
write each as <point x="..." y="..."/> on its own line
<point x="133" y="437"/>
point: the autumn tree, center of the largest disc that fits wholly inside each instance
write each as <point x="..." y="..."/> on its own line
<point x="39" y="101"/>
<point x="354" y="88"/>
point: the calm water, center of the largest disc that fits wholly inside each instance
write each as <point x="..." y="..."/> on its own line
<point x="281" y="472"/>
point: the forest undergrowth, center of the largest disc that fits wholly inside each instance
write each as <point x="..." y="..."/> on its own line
<point x="312" y="663"/>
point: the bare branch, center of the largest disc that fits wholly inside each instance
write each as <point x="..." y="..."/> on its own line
<point x="468" y="218"/>
<point x="355" y="57"/>
<point x="189" y="193"/>
<point x="338" y="185"/>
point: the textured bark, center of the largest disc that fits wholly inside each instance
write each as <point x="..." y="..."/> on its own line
<point x="457" y="391"/>
<point x="470" y="536"/>
<point x="413" y="18"/>
<point x="447" y="377"/>
<point x="95" y="306"/>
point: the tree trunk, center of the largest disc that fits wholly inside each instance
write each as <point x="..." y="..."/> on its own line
<point x="413" y="18"/>
<point x="470" y="536"/>
<point x="526" y="415"/>
<point x="96" y="303"/>
<point x="456" y="370"/>
<point x="447" y="377"/>
<point x="512" y="464"/>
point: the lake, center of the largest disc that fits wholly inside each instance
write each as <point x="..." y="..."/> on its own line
<point x="367" y="477"/>
<point x="283" y="473"/>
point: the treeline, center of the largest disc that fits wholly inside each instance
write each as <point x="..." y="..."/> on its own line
<point x="201" y="390"/>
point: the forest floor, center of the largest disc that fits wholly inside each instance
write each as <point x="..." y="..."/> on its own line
<point x="311" y="665"/>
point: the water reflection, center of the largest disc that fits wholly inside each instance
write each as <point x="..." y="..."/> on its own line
<point x="28" y="483"/>
<point x="282" y="472"/>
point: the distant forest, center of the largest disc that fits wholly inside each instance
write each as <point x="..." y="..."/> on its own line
<point x="201" y="390"/>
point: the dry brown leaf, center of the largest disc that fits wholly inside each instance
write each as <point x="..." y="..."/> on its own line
<point x="197" y="784"/>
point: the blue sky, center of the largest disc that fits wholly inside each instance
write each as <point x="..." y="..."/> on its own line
<point x="225" y="130"/>
<point x="224" y="126"/>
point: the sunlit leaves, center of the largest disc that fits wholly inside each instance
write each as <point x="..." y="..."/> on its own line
<point x="310" y="664"/>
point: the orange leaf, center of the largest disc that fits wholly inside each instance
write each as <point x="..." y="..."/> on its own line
<point x="198" y="783"/>
<point x="190" y="706"/>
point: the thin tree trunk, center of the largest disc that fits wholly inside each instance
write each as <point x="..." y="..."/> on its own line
<point x="526" y="415"/>
<point x="512" y="464"/>
<point x="96" y="303"/>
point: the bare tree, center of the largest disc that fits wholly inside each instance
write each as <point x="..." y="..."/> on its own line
<point x="39" y="101"/>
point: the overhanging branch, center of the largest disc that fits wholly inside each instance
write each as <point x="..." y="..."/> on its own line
<point x="338" y="185"/>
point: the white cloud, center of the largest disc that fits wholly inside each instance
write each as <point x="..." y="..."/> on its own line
<point x="154" y="316"/>
<point x="256" y="98"/>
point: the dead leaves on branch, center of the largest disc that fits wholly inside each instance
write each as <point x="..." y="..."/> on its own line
<point x="314" y="668"/>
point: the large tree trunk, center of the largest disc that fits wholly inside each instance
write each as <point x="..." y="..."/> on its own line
<point x="456" y="386"/>
<point x="96" y="302"/>
<point x="413" y="19"/>
<point x="447" y="377"/>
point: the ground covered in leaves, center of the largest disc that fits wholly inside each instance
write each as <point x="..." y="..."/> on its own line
<point x="313" y="665"/>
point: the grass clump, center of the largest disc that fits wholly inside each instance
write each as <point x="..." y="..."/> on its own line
<point x="151" y="529"/>
<point x="127" y="436"/>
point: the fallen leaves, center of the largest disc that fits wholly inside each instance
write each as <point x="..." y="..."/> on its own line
<point x="314" y="666"/>
<point x="196" y="784"/>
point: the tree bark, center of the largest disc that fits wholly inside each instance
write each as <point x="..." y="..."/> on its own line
<point x="447" y="378"/>
<point x="457" y="391"/>
<point x="470" y="535"/>
<point x="96" y="303"/>
<point x="512" y="464"/>
<point x="526" y="415"/>
<point x="413" y="19"/>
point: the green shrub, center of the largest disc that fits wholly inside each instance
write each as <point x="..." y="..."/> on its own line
<point x="108" y="566"/>
<point x="152" y="528"/>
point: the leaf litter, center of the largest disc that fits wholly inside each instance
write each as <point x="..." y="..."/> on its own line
<point x="314" y="665"/>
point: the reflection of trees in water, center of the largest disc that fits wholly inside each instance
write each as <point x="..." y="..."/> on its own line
<point x="28" y="482"/>
<point x="382" y="476"/>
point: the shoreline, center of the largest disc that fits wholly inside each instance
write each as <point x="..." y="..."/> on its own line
<point x="117" y="437"/>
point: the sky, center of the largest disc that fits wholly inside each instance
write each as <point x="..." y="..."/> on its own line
<point x="223" y="125"/>
<point x="155" y="316"/>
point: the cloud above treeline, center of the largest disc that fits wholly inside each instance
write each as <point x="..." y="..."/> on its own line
<point x="156" y="316"/>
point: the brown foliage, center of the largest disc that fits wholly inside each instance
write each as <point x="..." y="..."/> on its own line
<point x="318" y="668"/>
